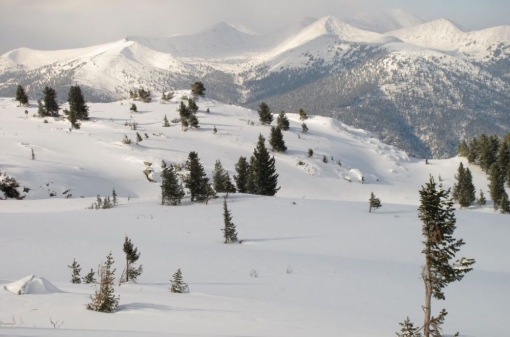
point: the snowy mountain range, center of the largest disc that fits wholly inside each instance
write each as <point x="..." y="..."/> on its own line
<point x="407" y="80"/>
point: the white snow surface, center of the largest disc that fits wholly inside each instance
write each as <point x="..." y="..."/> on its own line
<point x="31" y="285"/>
<point x="326" y="266"/>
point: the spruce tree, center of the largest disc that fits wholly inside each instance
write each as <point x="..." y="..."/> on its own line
<point x="276" y="140"/>
<point x="481" y="201"/>
<point x="196" y="180"/>
<point x="89" y="278"/>
<point x="496" y="184"/>
<point x="457" y="187"/>
<point x="508" y="176"/>
<point x="282" y="121"/>
<point x="104" y="299"/>
<point x="221" y="179"/>
<point x="40" y="109"/>
<point x="473" y="151"/>
<point x="193" y="121"/>
<point x="192" y="106"/>
<point x="138" y="138"/>
<point x="467" y="190"/>
<point x="265" y="115"/>
<point x="198" y="89"/>
<point x="302" y="115"/>
<point x="462" y="149"/>
<point x="75" y="278"/>
<point x="243" y="171"/>
<point x="504" y="204"/>
<point x="133" y="108"/>
<point x="171" y="190"/>
<point x="178" y="286"/>
<point x="21" y="96"/>
<point x="114" y="197"/>
<point x="165" y="122"/>
<point x="264" y="178"/>
<point x="131" y="273"/>
<point x="250" y="181"/>
<point x="77" y="103"/>
<point x="310" y="153"/>
<point x="437" y="215"/>
<point x="229" y="230"/>
<point x="504" y="158"/>
<point x="304" y="127"/>
<point x="408" y="329"/>
<point x="373" y="202"/>
<point x="50" y="102"/>
<point x="184" y="114"/>
<point x="72" y="119"/>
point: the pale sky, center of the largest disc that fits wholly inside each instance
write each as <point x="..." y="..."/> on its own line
<point x="63" y="24"/>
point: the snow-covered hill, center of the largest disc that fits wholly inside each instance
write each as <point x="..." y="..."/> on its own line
<point x="325" y="265"/>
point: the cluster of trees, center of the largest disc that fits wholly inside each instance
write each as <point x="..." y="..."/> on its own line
<point x="464" y="190"/>
<point x="492" y="154"/>
<point x="106" y="202"/>
<point x="187" y="114"/>
<point x="9" y="187"/>
<point x="141" y="94"/>
<point x="276" y="136"/>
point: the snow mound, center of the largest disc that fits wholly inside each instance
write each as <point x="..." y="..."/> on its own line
<point x="32" y="285"/>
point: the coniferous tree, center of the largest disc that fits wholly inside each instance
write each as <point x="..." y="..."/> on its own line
<point x="310" y="153"/>
<point x="184" y="114"/>
<point x="138" y="138"/>
<point x="50" y="102"/>
<point x="504" y="204"/>
<point x="481" y="201"/>
<point x="302" y="115"/>
<point x="192" y="106"/>
<point x="131" y="273"/>
<point x="75" y="278"/>
<point x="229" y="229"/>
<point x="193" y="121"/>
<point x="215" y="130"/>
<point x="221" y="179"/>
<point x="373" y="202"/>
<point x="198" y="89"/>
<point x="496" y="184"/>
<point x="473" y="151"/>
<point x="282" y="121"/>
<point x="104" y="299"/>
<point x="408" y="329"/>
<point x="77" y="103"/>
<point x="40" y="109"/>
<point x="33" y="154"/>
<point x="437" y="215"/>
<point x="461" y="172"/>
<point x="265" y="115"/>
<point x="89" y="278"/>
<point x="462" y="149"/>
<point x="171" y="190"/>
<point x="133" y="108"/>
<point x="263" y="176"/>
<point x="72" y="119"/>
<point x="21" y="96"/>
<point x="165" y="122"/>
<point x="508" y="177"/>
<point x="467" y="190"/>
<point x="304" y="127"/>
<point x="243" y="171"/>
<point x="250" y="181"/>
<point x="114" y="197"/>
<point x="276" y="140"/>
<point x="178" y="286"/>
<point x="196" y="181"/>
<point x="504" y="158"/>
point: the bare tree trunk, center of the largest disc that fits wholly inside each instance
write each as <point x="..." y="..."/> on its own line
<point x="127" y="269"/>
<point x="427" y="309"/>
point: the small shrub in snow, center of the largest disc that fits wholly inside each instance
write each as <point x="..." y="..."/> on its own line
<point x="229" y="231"/>
<point x="9" y="186"/>
<point x="138" y="138"/>
<point x="373" y="202"/>
<point x="126" y="140"/>
<point x="304" y="128"/>
<point x="215" y="130"/>
<point x="89" y="278"/>
<point x="408" y="329"/>
<point x="310" y="153"/>
<point x="302" y="115"/>
<point x="104" y="299"/>
<point x="130" y="273"/>
<point x="133" y="108"/>
<point x="254" y="273"/>
<point x="165" y="122"/>
<point x="290" y="270"/>
<point x="178" y="286"/>
<point x="75" y="278"/>
<point x="324" y="159"/>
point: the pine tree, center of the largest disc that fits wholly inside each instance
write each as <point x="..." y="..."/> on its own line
<point x="40" y="109"/>
<point x="504" y="158"/>
<point x="198" y="89"/>
<point x="304" y="127"/>
<point x="50" y="102"/>
<point x="408" y="329"/>
<point x="89" y="278"/>
<point x="178" y="286"/>
<point x="276" y="140"/>
<point x="229" y="231"/>
<point x="508" y="176"/>
<point x="193" y="121"/>
<point x="282" y="121"/>
<point x="72" y="119"/>
<point x="461" y="172"/>
<point x="165" y="122"/>
<point x="324" y="159"/>
<point x="75" y="278"/>
<point x="437" y="215"/>
<point x="310" y="153"/>
<point x="114" y="197"/>
<point x="133" y="108"/>
<point x="373" y="202"/>
<point x="138" y="138"/>
<point x="221" y="179"/>
<point x="481" y="201"/>
<point x="184" y="115"/>
<point x="196" y="181"/>
<point x="21" y="96"/>
<point x="302" y="115"/>
<point x="104" y="299"/>
<point x="77" y="103"/>
<point x="243" y="171"/>
<point x="33" y="154"/>
<point x="467" y="190"/>
<point x="263" y="179"/>
<point x="462" y="149"/>
<point x="265" y="115"/>
<point x="192" y="106"/>
<point x="504" y="204"/>
<point x="496" y="184"/>
<point x="171" y="190"/>
<point x="473" y="151"/>
<point x="131" y="273"/>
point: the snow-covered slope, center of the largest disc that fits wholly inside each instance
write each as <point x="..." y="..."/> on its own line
<point x="383" y="21"/>
<point x="326" y="266"/>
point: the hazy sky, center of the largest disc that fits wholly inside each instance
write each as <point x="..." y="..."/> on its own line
<point x="59" y="24"/>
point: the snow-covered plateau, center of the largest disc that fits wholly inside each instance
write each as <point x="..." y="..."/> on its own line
<point x="313" y="262"/>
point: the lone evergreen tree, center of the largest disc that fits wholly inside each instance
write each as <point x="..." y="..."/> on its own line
<point x="196" y="181"/>
<point x="408" y="329"/>
<point x="229" y="231"/>
<point x="178" y="286"/>
<point x="165" y="122"/>
<point x="304" y="127"/>
<point x="467" y="193"/>
<point x="282" y="121"/>
<point x="310" y="153"/>
<point x="265" y="115"/>
<point x="373" y="202"/>
<point x="437" y="215"/>
<point x="41" y="111"/>
<point x="89" y="278"/>
<point x="496" y="184"/>
<point x="77" y="103"/>
<point x="138" y="138"/>
<point x="263" y="179"/>
<point x="221" y="179"/>
<point x="50" y="102"/>
<point x="481" y="199"/>
<point x="131" y="273"/>
<point x="75" y="278"/>
<point x="198" y="89"/>
<point x="276" y="140"/>
<point x="133" y="108"/>
<point x="171" y="190"/>
<point x="21" y="96"/>
<point x="114" y="197"/>
<point x="243" y="171"/>
<point x="104" y="299"/>
<point x="461" y="172"/>
<point x="33" y="154"/>
<point x="302" y="114"/>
